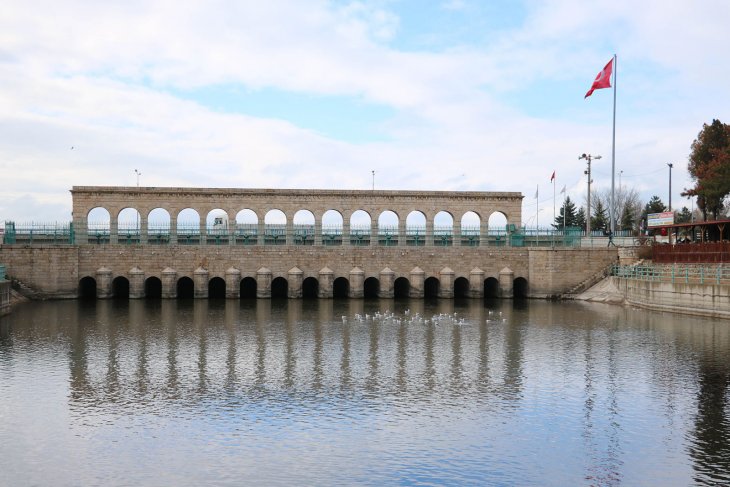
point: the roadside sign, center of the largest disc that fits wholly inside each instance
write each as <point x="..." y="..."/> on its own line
<point x="660" y="219"/>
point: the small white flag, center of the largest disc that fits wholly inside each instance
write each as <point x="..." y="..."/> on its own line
<point x="562" y="191"/>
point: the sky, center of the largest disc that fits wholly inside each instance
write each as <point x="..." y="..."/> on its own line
<point x="455" y="95"/>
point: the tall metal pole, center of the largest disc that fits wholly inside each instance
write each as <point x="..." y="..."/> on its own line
<point x="373" y="180"/>
<point x="613" y="149"/>
<point x="588" y="210"/>
<point x="670" y="184"/>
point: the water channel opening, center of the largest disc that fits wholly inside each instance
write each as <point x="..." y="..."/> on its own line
<point x="87" y="288"/>
<point x="153" y="288"/>
<point x="310" y="288"/>
<point x="216" y="288"/>
<point x="491" y="287"/>
<point x="431" y="287"/>
<point x="520" y="288"/>
<point x="371" y="287"/>
<point x="279" y="288"/>
<point x="248" y="287"/>
<point x="461" y="288"/>
<point x="340" y="288"/>
<point x="185" y="288"/>
<point x="401" y="287"/>
<point x="120" y="287"/>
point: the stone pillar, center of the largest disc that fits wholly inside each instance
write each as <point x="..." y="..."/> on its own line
<point x="81" y="232"/>
<point x="457" y="234"/>
<point x="401" y="232"/>
<point x="200" y="283"/>
<point x="169" y="283"/>
<point x="295" y="277"/>
<point x="260" y="238"/>
<point x="345" y="233"/>
<point x="429" y="232"/>
<point x="263" y="283"/>
<point x="136" y="283"/>
<point x="142" y="230"/>
<point x="173" y="231"/>
<point x="318" y="231"/>
<point x="326" y="278"/>
<point x="203" y="237"/>
<point x="113" y="230"/>
<point x="387" y="279"/>
<point x="373" y="232"/>
<point x="103" y="283"/>
<point x="417" y="279"/>
<point x="446" y="284"/>
<point x="289" y="231"/>
<point x="233" y="283"/>
<point x="483" y="231"/>
<point x="357" y="283"/>
<point x="506" y="283"/>
<point x="476" y="283"/>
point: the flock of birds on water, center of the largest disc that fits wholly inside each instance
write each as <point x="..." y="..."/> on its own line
<point x="416" y="318"/>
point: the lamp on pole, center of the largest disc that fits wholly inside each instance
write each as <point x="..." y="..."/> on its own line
<point x="138" y="175"/>
<point x="670" y="184"/>
<point x="588" y="158"/>
<point x="137" y="215"/>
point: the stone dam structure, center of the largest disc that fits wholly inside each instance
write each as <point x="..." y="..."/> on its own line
<point x="159" y="242"/>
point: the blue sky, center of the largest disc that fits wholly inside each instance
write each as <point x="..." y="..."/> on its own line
<point x="441" y="95"/>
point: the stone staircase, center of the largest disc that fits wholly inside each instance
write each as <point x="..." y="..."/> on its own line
<point x="588" y="283"/>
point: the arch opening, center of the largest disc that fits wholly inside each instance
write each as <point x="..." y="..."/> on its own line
<point x="519" y="288"/>
<point x="470" y="229"/>
<point x="461" y="287"/>
<point x="388" y="228"/>
<point x="416" y="229"/>
<point x="158" y="227"/>
<point x="497" y="229"/>
<point x="188" y="227"/>
<point x="248" y="287"/>
<point x="332" y="227"/>
<point x="431" y="287"/>
<point x="303" y="227"/>
<point x="310" y="288"/>
<point x="275" y="228"/>
<point x="216" y="227"/>
<point x="247" y="227"/>
<point x="340" y="288"/>
<point x="120" y="287"/>
<point x="216" y="288"/>
<point x="153" y="287"/>
<point x="371" y="287"/>
<point x="185" y="288"/>
<point x="360" y="228"/>
<point x="87" y="288"/>
<point x="443" y="229"/>
<point x="128" y="226"/>
<point x="279" y="288"/>
<point x="401" y="287"/>
<point x="491" y="287"/>
<point x="98" y="225"/>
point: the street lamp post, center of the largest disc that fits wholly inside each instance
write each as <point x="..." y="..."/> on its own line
<point x="670" y="184"/>
<point x="137" y="216"/>
<point x="588" y="158"/>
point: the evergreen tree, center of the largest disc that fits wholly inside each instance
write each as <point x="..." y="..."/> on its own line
<point x="580" y="218"/>
<point x="599" y="220"/>
<point x="655" y="205"/>
<point x="683" y="216"/>
<point x="628" y="221"/>
<point x="567" y="211"/>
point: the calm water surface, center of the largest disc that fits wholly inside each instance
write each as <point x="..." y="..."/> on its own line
<point x="375" y="392"/>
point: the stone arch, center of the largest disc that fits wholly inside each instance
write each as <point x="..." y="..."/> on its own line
<point x="275" y="227"/>
<point x="247" y="287"/>
<point x="279" y="288"/>
<point x="98" y="225"/>
<point x="401" y="287"/>
<point x="216" y="221"/>
<point x="388" y="228"/>
<point x="185" y="288"/>
<point x="443" y="229"/>
<point x="416" y="228"/>
<point x="470" y="227"/>
<point x="87" y="288"/>
<point x="187" y="223"/>
<point x="153" y="287"/>
<point x="497" y="229"/>
<point x="360" y="228"/>
<point x="491" y="287"/>
<point x="519" y="287"/>
<point x="371" y="287"/>
<point x="340" y="288"/>
<point x="431" y="287"/>
<point x="461" y="287"/>
<point x="332" y="227"/>
<point x="158" y="226"/>
<point x="303" y="223"/>
<point x="120" y="287"/>
<point x="216" y="288"/>
<point x="247" y="227"/>
<point x="310" y="288"/>
<point x="129" y="222"/>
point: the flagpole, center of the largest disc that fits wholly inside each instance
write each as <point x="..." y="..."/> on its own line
<point x="554" y="185"/>
<point x="613" y="150"/>
<point x="537" y="203"/>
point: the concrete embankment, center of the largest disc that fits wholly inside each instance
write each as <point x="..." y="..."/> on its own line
<point x="711" y="300"/>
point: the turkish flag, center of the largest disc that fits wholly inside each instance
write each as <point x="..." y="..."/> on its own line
<point x="603" y="79"/>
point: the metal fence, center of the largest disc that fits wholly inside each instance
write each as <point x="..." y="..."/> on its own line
<point x="675" y="273"/>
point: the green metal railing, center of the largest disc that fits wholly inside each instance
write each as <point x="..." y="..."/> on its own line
<point x="2" y="272"/>
<point x="38" y="233"/>
<point x="675" y="273"/>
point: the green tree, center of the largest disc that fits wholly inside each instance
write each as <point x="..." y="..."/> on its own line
<point x="683" y="216"/>
<point x="628" y="220"/>
<point x="709" y="167"/>
<point x="655" y="205"/>
<point x="580" y="218"/>
<point x="599" y="220"/>
<point x="566" y="216"/>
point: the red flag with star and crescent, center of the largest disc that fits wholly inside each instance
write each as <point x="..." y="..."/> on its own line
<point x="603" y="79"/>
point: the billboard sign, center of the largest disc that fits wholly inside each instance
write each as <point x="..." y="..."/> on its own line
<point x="660" y="219"/>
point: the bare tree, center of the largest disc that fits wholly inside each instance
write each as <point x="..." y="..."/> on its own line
<point x="627" y="201"/>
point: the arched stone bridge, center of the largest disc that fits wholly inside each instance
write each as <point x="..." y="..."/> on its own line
<point x="158" y="253"/>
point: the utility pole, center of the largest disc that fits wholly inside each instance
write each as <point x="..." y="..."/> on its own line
<point x="670" y="184"/>
<point x="588" y="158"/>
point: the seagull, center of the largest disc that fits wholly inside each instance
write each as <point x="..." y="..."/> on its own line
<point x="72" y="147"/>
